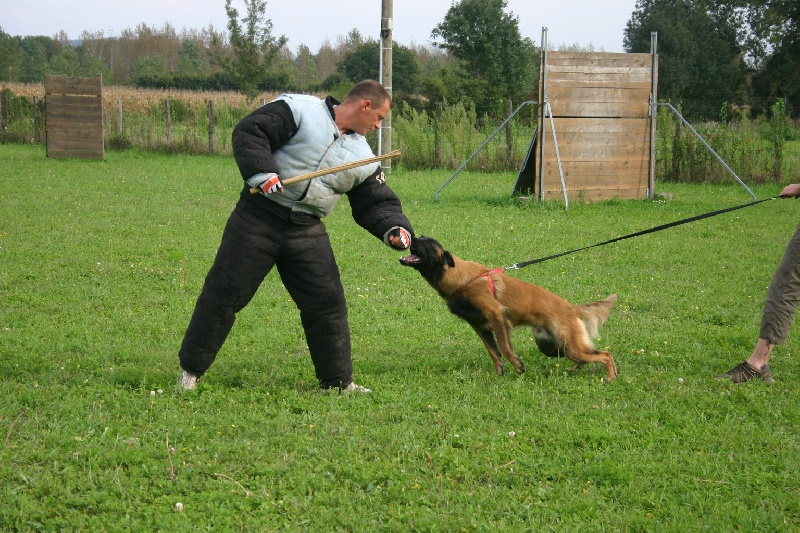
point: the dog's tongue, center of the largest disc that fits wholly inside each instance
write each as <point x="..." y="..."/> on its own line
<point x="410" y="259"/>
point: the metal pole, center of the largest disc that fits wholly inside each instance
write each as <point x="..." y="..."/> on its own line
<point x="715" y="154"/>
<point x="542" y="111"/>
<point x="387" y="16"/>
<point x="558" y="155"/>
<point x="484" y="143"/>
<point x="653" y="113"/>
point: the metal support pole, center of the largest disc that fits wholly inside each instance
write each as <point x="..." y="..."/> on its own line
<point x="385" y="133"/>
<point x="724" y="164"/>
<point x="484" y="143"/>
<point x="558" y="155"/>
<point x="542" y="111"/>
<point x="653" y="113"/>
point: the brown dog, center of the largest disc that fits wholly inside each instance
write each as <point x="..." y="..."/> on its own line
<point x="493" y="303"/>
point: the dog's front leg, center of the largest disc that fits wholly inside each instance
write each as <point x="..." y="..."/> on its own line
<point x="502" y="331"/>
<point x="487" y="337"/>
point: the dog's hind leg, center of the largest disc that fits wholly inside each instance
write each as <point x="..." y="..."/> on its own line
<point x="594" y="356"/>
<point x="581" y="350"/>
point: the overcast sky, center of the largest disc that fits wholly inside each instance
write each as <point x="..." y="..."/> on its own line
<point x="583" y="22"/>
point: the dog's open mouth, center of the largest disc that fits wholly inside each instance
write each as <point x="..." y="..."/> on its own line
<point x="410" y="260"/>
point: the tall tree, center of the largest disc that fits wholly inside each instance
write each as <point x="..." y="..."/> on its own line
<point x="306" y="68"/>
<point x="148" y="69"/>
<point x="327" y="58"/>
<point x="253" y="46"/>
<point x="770" y="31"/>
<point x="364" y="63"/>
<point x="190" y="60"/>
<point x="486" y="39"/>
<point x="764" y="25"/>
<point x="10" y="57"/>
<point x="36" y="51"/>
<point x="66" y="63"/>
<point x="700" y="62"/>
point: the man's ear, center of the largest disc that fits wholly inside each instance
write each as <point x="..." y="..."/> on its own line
<point x="366" y="104"/>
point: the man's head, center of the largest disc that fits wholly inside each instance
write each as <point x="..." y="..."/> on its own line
<point x="364" y="107"/>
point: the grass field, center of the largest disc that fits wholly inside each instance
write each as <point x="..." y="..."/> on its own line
<point x="100" y="264"/>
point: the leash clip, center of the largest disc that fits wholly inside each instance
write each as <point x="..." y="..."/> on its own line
<point x="515" y="266"/>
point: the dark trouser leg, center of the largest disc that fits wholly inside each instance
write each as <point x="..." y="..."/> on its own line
<point x="308" y="270"/>
<point x="243" y="260"/>
<point x="783" y="295"/>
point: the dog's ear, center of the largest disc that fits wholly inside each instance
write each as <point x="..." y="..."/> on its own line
<point x="448" y="258"/>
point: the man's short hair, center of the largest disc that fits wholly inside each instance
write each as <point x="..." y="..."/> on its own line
<point x="370" y="90"/>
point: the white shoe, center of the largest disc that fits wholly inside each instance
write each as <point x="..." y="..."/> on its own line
<point x="188" y="380"/>
<point x="356" y="388"/>
<point x="352" y="387"/>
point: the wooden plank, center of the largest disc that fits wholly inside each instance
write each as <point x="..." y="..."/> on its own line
<point x="583" y="77"/>
<point x="77" y="117"/>
<point x="586" y="156"/>
<point x="54" y="153"/>
<point x="601" y="138"/>
<point x="568" y="72"/>
<point x="73" y="150"/>
<point x="88" y="102"/>
<point x="78" y="144"/>
<point x="567" y="108"/>
<point x="597" y="58"/>
<point x="598" y="83"/>
<point x="595" y="167"/>
<point x="599" y="125"/>
<point x="588" y="145"/>
<point x="594" y="195"/>
<point x="73" y="85"/>
<point x="587" y="94"/>
<point x="91" y="136"/>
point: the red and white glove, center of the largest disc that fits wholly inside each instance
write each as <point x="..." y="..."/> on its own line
<point x="271" y="185"/>
<point x="401" y="233"/>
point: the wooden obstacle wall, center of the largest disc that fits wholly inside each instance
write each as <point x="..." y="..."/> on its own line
<point x="600" y="104"/>
<point x="74" y="117"/>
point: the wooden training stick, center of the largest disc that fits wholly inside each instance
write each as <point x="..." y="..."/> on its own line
<point x="333" y="170"/>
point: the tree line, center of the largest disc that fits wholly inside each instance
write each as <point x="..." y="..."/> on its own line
<point x="714" y="56"/>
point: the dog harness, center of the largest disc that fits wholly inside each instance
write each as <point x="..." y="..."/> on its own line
<point x="488" y="276"/>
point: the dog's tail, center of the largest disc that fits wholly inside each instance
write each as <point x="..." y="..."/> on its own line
<point x="595" y="314"/>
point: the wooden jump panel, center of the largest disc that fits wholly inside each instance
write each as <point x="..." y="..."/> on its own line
<point x="74" y="117"/>
<point x="600" y="104"/>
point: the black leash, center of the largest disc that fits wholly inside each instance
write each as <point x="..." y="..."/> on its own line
<point x="516" y="266"/>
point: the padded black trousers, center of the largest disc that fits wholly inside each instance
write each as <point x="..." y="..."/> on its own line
<point x="254" y="240"/>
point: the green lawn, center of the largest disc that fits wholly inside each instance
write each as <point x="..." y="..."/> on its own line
<point x="100" y="264"/>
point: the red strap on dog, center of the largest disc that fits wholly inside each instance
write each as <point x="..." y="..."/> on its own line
<point x="488" y="276"/>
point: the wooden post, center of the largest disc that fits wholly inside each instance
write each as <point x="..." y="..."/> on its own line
<point x="169" y="120"/>
<point x="211" y="133"/>
<point x="437" y="135"/>
<point x="36" y="137"/>
<point x="509" y="142"/>
<point x="119" y="117"/>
